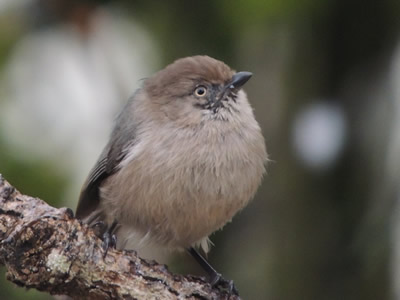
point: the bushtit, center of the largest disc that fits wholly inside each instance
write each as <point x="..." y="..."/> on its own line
<point x="185" y="155"/>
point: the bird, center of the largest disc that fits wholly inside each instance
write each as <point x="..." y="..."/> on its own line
<point x="185" y="155"/>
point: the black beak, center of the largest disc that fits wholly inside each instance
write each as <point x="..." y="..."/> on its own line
<point x="239" y="79"/>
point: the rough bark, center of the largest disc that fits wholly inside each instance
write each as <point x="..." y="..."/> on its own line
<point x="48" y="249"/>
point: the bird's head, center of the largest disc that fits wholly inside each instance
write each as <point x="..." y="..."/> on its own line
<point x="196" y="89"/>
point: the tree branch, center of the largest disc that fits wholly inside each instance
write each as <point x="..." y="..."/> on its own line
<point x="47" y="249"/>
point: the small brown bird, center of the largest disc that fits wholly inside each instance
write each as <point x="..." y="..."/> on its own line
<point x="185" y="155"/>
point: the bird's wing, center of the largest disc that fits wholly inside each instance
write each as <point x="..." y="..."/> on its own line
<point x="90" y="197"/>
<point x="122" y="137"/>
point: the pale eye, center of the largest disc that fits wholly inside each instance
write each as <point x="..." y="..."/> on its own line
<point x="200" y="91"/>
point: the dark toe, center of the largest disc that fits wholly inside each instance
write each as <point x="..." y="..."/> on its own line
<point x="109" y="242"/>
<point x="215" y="279"/>
<point x="99" y="229"/>
<point x="223" y="284"/>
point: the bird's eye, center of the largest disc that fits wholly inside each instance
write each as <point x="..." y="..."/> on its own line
<point x="200" y="91"/>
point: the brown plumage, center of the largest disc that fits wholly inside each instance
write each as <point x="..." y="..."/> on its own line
<point x="185" y="155"/>
<point x="173" y="79"/>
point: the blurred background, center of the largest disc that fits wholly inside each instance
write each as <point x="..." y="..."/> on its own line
<point x="326" y="90"/>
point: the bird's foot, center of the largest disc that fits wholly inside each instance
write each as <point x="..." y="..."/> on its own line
<point x="106" y="234"/>
<point x="99" y="228"/>
<point x="216" y="280"/>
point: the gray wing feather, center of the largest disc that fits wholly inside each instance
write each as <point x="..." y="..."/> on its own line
<point x="122" y="136"/>
<point x="90" y="195"/>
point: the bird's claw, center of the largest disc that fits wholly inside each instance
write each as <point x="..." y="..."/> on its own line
<point x="99" y="229"/>
<point x="109" y="241"/>
<point x="106" y="234"/>
<point x="221" y="283"/>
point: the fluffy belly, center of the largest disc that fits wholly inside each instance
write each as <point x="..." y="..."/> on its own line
<point x="176" y="197"/>
<point x="175" y="210"/>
